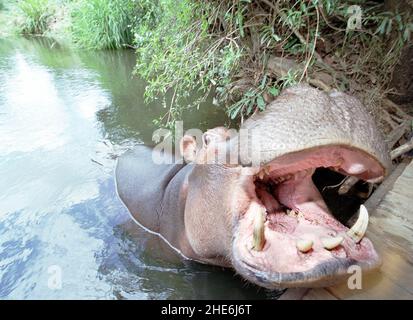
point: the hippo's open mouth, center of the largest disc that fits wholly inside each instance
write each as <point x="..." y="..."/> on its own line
<point x="286" y="236"/>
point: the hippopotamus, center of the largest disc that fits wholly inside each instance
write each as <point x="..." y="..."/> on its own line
<point x="261" y="213"/>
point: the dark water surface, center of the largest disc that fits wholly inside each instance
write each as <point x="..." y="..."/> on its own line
<point x="64" y="117"/>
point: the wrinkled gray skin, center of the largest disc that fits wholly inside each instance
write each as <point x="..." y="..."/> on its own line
<point x="155" y="195"/>
<point x="192" y="205"/>
<point x="303" y="117"/>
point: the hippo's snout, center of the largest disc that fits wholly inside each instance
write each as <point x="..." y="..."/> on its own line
<point x="285" y="236"/>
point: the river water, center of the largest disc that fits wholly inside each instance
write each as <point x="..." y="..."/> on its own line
<point x="65" y="115"/>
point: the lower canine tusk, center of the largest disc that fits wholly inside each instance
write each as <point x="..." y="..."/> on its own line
<point x="258" y="238"/>
<point x="358" y="230"/>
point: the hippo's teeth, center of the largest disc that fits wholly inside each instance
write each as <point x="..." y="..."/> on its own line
<point x="258" y="239"/>
<point x="294" y="213"/>
<point x="358" y="230"/>
<point x="331" y="242"/>
<point x="284" y="178"/>
<point x="304" y="245"/>
<point x="267" y="170"/>
<point x="291" y="212"/>
<point x="261" y="174"/>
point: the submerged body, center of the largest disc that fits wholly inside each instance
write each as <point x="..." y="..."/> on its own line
<point x="264" y="216"/>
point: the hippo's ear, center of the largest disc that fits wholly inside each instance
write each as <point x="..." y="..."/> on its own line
<point x="187" y="147"/>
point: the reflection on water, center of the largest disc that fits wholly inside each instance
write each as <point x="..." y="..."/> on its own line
<point x="64" y="116"/>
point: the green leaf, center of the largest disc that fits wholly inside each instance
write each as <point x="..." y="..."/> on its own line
<point x="382" y="27"/>
<point x="249" y="109"/>
<point x="240" y="22"/>
<point x="276" y="37"/>
<point x="274" y="91"/>
<point x="263" y="82"/>
<point x="249" y="94"/>
<point x="389" y="26"/>
<point x="260" y="102"/>
<point x="234" y="110"/>
<point x="406" y="35"/>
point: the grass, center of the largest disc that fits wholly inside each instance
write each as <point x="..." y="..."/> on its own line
<point x="34" y="16"/>
<point x="91" y="24"/>
<point x="103" y="24"/>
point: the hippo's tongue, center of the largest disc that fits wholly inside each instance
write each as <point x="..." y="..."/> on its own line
<point x="305" y="202"/>
<point x="295" y="207"/>
<point x="300" y="195"/>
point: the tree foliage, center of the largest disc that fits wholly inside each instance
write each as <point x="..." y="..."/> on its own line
<point x="231" y="48"/>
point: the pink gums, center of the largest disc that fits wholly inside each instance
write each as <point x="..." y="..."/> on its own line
<point x="310" y="219"/>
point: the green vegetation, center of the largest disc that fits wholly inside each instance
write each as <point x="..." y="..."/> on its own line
<point x="35" y="16"/>
<point x="104" y="24"/>
<point x="6" y="26"/>
<point x="92" y="24"/>
<point x="231" y="48"/>
<point x="240" y="52"/>
<point x="176" y="53"/>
